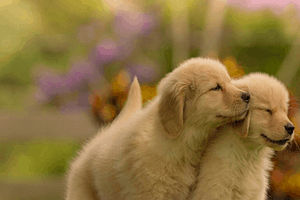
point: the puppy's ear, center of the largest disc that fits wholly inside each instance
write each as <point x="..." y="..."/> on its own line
<point x="242" y="127"/>
<point x="171" y="108"/>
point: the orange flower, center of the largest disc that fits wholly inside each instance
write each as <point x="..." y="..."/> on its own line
<point x="148" y="92"/>
<point x="108" y="112"/>
<point x="291" y="184"/>
<point x="233" y="68"/>
<point x="120" y="83"/>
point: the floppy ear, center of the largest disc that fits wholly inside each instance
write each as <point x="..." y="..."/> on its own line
<point x="242" y="127"/>
<point x="171" y="108"/>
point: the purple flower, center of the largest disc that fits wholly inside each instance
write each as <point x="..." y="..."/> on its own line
<point x="78" y="77"/>
<point x="104" y="53"/>
<point x="129" y="24"/>
<point x="144" y="73"/>
<point x="76" y="80"/>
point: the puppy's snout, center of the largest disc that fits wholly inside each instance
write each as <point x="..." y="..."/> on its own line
<point x="246" y="97"/>
<point x="289" y="128"/>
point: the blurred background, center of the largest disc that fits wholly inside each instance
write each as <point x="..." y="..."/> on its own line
<point x="65" y="69"/>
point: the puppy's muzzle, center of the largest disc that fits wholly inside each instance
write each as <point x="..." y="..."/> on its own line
<point x="279" y="142"/>
<point x="246" y="97"/>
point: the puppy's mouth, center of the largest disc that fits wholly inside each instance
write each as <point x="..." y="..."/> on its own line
<point x="279" y="142"/>
<point x="235" y="116"/>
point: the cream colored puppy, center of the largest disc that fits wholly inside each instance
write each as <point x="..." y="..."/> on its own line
<point x="153" y="154"/>
<point x="235" y="166"/>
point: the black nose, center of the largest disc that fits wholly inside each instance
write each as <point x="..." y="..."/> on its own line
<point x="289" y="128"/>
<point x="246" y="97"/>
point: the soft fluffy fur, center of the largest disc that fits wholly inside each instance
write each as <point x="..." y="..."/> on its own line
<point x="153" y="154"/>
<point x="80" y="183"/>
<point x="235" y="167"/>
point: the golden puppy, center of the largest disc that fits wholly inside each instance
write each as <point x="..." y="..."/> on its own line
<point x="153" y="153"/>
<point x="237" y="168"/>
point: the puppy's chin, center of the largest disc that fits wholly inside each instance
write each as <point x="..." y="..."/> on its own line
<point x="241" y="116"/>
<point x="233" y="118"/>
<point x="277" y="147"/>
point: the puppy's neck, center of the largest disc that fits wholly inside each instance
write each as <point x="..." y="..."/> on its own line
<point x="195" y="142"/>
<point x="187" y="148"/>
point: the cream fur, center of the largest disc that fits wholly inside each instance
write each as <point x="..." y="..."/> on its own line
<point x="154" y="152"/>
<point x="236" y="168"/>
<point x="80" y="183"/>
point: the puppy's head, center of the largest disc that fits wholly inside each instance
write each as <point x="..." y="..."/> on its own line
<point x="199" y="93"/>
<point x="269" y="124"/>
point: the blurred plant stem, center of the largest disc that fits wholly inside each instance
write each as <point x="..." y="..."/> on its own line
<point x="291" y="63"/>
<point x="213" y="28"/>
<point x="180" y="31"/>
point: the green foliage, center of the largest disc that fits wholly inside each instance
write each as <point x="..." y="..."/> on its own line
<point x="257" y="40"/>
<point x="36" y="158"/>
<point x="64" y="16"/>
<point x="42" y="32"/>
<point x="45" y="32"/>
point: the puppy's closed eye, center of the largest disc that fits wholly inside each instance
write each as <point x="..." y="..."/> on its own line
<point x="269" y="111"/>
<point x="218" y="87"/>
<point x="266" y="110"/>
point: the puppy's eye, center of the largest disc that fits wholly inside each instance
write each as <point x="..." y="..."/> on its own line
<point x="217" y="88"/>
<point x="269" y="111"/>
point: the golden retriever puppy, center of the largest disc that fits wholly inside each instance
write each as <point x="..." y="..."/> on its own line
<point x="153" y="153"/>
<point x="235" y="166"/>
